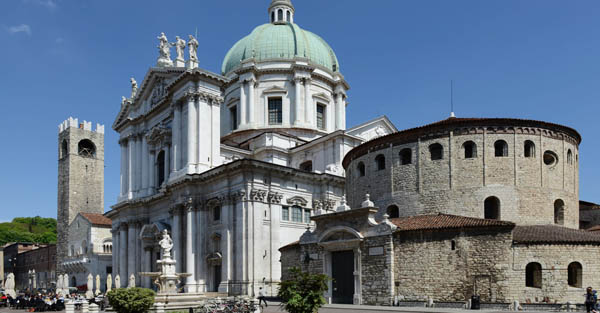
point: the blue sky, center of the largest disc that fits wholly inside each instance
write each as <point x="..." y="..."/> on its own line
<point x="535" y="59"/>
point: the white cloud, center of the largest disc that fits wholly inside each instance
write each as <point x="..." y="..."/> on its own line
<point x="23" y="28"/>
<point x="50" y="4"/>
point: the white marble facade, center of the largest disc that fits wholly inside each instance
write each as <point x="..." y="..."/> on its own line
<point x="202" y="158"/>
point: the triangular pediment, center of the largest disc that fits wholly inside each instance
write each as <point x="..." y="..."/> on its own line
<point x="275" y="89"/>
<point x="372" y="129"/>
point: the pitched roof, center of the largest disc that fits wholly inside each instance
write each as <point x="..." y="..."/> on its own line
<point x="444" y="221"/>
<point x="553" y="234"/>
<point x="97" y="219"/>
<point x="290" y="245"/>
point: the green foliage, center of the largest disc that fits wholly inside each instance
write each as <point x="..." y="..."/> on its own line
<point x="131" y="300"/>
<point x="303" y="293"/>
<point x="28" y="229"/>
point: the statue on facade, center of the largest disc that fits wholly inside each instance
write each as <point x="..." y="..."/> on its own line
<point x="117" y="281"/>
<point x="166" y="244"/>
<point x="179" y="45"/>
<point x="108" y="282"/>
<point x="131" y="281"/>
<point x="164" y="50"/>
<point x="193" y="48"/>
<point x="134" y="87"/>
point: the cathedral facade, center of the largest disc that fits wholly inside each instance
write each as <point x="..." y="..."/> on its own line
<point x="235" y="164"/>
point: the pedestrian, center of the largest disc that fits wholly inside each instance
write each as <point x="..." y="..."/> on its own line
<point x="590" y="300"/>
<point x="261" y="297"/>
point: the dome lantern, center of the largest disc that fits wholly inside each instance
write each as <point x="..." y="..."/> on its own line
<point x="281" y="12"/>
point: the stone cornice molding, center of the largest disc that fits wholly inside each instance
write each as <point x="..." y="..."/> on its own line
<point x="258" y="195"/>
<point x="275" y="89"/>
<point x="322" y="96"/>
<point x="274" y="197"/>
<point x="238" y="196"/>
<point x="297" y="200"/>
<point x="158" y="135"/>
<point x="215" y="202"/>
<point x="177" y="209"/>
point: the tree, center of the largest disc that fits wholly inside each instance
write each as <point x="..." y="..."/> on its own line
<point x="131" y="300"/>
<point x="303" y="292"/>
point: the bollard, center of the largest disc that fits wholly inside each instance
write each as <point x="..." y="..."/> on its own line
<point x="69" y="306"/>
<point x="85" y="307"/>
<point x="94" y="308"/>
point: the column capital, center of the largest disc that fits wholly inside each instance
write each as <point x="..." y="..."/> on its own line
<point x="176" y="210"/>
<point x="123" y="226"/>
<point x="189" y="205"/>
<point x="298" y="80"/>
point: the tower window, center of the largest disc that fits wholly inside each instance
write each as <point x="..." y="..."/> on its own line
<point x="160" y="167"/>
<point x="533" y="275"/>
<point x="288" y="16"/>
<point x="380" y="162"/>
<point x="233" y="117"/>
<point x="306" y="166"/>
<point x="275" y="111"/>
<point x="470" y="149"/>
<point x="280" y="15"/>
<point x="529" y="151"/>
<point x="491" y="208"/>
<point x="361" y="169"/>
<point x="569" y="157"/>
<point x="575" y="273"/>
<point x="64" y="149"/>
<point x="436" y="151"/>
<point x="86" y="148"/>
<point x="272" y="17"/>
<point x="320" y="116"/>
<point x="500" y="148"/>
<point x="405" y="156"/>
<point x="393" y="211"/>
<point x="559" y="212"/>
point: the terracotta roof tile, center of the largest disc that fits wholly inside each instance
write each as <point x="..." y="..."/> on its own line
<point x="444" y="221"/>
<point x="97" y="219"/>
<point x="553" y="234"/>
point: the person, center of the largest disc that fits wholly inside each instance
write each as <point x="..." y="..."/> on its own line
<point x="590" y="300"/>
<point x="261" y="297"/>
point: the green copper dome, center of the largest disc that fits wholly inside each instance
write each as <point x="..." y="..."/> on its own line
<point x="281" y="41"/>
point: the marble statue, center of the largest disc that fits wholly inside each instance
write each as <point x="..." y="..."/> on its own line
<point x="164" y="50"/>
<point x="9" y="285"/>
<point x="134" y="87"/>
<point x="90" y="287"/>
<point x="179" y="45"/>
<point x="193" y="48"/>
<point x="117" y="281"/>
<point x="131" y="281"/>
<point x="97" y="285"/>
<point x="123" y="100"/>
<point x="108" y="282"/>
<point x="166" y="244"/>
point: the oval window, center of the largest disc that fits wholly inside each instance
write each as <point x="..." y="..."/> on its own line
<point x="550" y="158"/>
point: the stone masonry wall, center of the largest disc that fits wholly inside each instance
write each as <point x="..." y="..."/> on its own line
<point x="376" y="271"/>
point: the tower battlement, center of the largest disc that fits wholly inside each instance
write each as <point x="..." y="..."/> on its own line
<point x="74" y="122"/>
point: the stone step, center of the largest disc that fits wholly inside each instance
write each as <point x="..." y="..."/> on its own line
<point x="216" y="295"/>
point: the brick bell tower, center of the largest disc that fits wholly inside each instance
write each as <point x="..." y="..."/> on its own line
<point x="80" y="177"/>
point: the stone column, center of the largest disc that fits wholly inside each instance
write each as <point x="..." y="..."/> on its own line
<point x="251" y="102"/>
<point x="151" y="175"/>
<point x="297" y="117"/>
<point x="130" y="165"/>
<point x="123" y="145"/>
<point x="191" y="135"/>
<point x="308" y="103"/>
<point x="123" y="251"/>
<point x="176" y="137"/>
<point x="338" y="111"/>
<point x="176" y="234"/>
<point x="200" y="246"/>
<point x="167" y="162"/>
<point x="242" y="104"/>
<point x="343" y="112"/>
<point x="144" y="157"/>
<point x="138" y="253"/>
<point x="148" y="265"/>
<point x="115" y="251"/>
<point x="189" y="245"/>
<point x="131" y="249"/>
<point x="138" y="165"/>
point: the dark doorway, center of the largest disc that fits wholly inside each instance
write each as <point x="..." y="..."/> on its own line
<point x="217" y="277"/>
<point x="342" y="272"/>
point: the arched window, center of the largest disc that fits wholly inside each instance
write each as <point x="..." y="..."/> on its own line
<point x="393" y="211"/>
<point x="160" y="168"/>
<point x="380" y="162"/>
<point x="72" y="251"/>
<point x="470" y="149"/>
<point x="288" y="16"/>
<point x="436" y="151"/>
<point x="575" y="272"/>
<point x="306" y="166"/>
<point x="272" y="16"/>
<point x="73" y="281"/>
<point x="405" y="156"/>
<point x="64" y="149"/>
<point x="569" y="157"/>
<point x="280" y="15"/>
<point x="491" y="208"/>
<point x="86" y="149"/>
<point x="533" y="275"/>
<point x="453" y="245"/>
<point x="361" y="169"/>
<point x="529" y="149"/>
<point x="84" y="248"/>
<point x="559" y="212"/>
<point x="501" y="148"/>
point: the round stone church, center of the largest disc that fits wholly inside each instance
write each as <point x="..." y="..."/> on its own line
<point x="460" y="207"/>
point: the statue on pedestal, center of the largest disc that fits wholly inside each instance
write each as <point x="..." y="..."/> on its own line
<point x="117" y="281"/>
<point x="179" y="45"/>
<point x="193" y="48"/>
<point x="90" y="287"/>
<point x="131" y="281"/>
<point x="166" y="244"/>
<point x="164" y="50"/>
<point x="134" y="87"/>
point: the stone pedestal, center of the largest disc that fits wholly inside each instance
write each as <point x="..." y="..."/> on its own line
<point x="191" y="64"/>
<point x="179" y="63"/>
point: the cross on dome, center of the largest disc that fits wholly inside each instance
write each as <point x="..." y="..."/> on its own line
<point x="281" y="11"/>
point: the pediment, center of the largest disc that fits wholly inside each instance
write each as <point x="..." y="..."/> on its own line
<point x="322" y="96"/>
<point x="297" y="200"/>
<point x="372" y="129"/>
<point x="158" y="134"/>
<point x="275" y="89"/>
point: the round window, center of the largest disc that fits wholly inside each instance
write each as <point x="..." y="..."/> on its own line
<point x="550" y="158"/>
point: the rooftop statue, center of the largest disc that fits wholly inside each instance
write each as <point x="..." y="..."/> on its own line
<point x="193" y="48"/>
<point x="164" y="50"/>
<point x="179" y="45"/>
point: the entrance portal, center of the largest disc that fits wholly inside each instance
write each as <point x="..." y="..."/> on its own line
<point x="342" y="272"/>
<point x="217" y="277"/>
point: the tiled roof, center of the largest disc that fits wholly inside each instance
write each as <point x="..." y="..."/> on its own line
<point x="444" y="221"/>
<point x="97" y="219"/>
<point x="594" y="228"/>
<point x="553" y="234"/>
<point x="290" y="245"/>
<point x="585" y="205"/>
